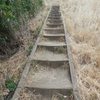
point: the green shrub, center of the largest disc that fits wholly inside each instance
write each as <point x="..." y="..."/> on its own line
<point x="10" y="84"/>
<point x="13" y="10"/>
<point x="12" y="13"/>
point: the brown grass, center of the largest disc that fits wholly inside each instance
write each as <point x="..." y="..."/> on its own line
<point x="83" y="24"/>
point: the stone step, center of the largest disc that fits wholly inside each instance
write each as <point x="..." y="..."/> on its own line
<point x="48" y="94"/>
<point x="54" y="21"/>
<point x="54" y="24"/>
<point x="54" y="17"/>
<point x="53" y="35"/>
<point x="50" y="54"/>
<point x="52" y="44"/>
<point x="49" y="76"/>
<point x="54" y="30"/>
<point x="53" y="14"/>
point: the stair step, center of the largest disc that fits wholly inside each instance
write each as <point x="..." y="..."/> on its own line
<point x="49" y="76"/>
<point x="54" y="20"/>
<point x="54" y="30"/>
<point x="54" y="17"/>
<point x="51" y="59"/>
<point x="50" y="54"/>
<point x="54" y="24"/>
<point x="51" y="44"/>
<point x="53" y="35"/>
<point x="48" y="94"/>
<point x="53" y="14"/>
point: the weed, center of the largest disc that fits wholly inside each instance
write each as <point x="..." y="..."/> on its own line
<point x="29" y="50"/>
<point x="10" y="84"/>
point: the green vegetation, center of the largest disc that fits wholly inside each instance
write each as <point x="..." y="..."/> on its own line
<point x="13" y="14"/>
<point x="11" y="85"/>
<point x="29" y="50"/>
<point x="12" y="10"/>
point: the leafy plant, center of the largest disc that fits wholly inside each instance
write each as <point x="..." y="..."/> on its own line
<point x="10" y="84"/>
<point x="12" y="10"/>
<point x="13" y="14"/>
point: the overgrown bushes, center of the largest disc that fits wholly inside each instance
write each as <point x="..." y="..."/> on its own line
<point x="12" y="14"/>
<point x="12" y="10"/>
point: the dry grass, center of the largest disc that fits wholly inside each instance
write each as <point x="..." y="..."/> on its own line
<point x="11" y="68"/>
<point x="82" y="22"/>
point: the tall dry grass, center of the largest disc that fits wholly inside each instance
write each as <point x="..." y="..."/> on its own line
<point x="83" y="23"/>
